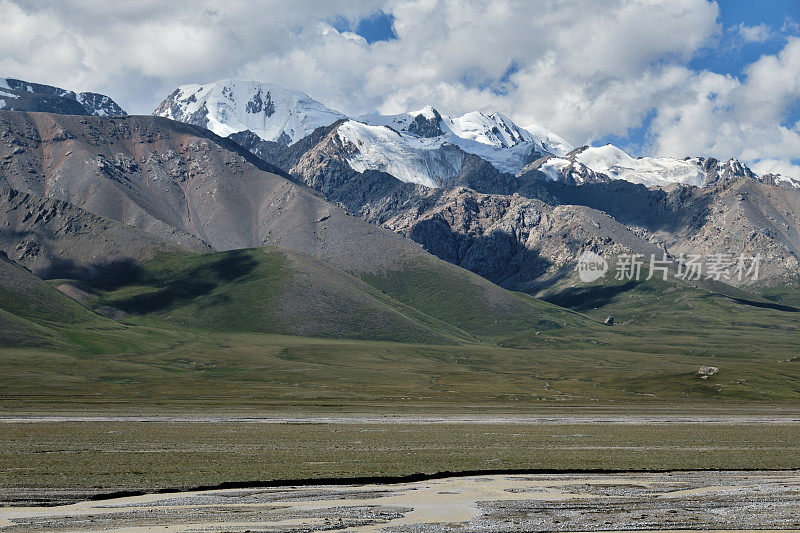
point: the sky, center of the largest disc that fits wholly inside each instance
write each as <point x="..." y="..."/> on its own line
<point x="656" y="77"/>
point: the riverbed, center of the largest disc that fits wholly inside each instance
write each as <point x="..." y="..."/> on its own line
<point x="720" y="501"/>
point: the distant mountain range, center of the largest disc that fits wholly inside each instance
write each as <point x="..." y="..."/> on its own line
<point x="426" y="147"/>
<point x="493" y="197"/>
<point x="18" y="95"/>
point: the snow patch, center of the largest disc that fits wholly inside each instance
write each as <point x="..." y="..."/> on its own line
<point x="549" y="140"/>
<point x="423" y="161"/>
<point x="786" y="181"/>
<point x="553" y="167"/>
<point x="428" y="112"/>
<point x="648" y="171"/>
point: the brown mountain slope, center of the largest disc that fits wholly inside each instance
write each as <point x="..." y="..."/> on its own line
<point x="160" y="175"/>
<point x="54" y="239"/>
<point x="745" y="217"/>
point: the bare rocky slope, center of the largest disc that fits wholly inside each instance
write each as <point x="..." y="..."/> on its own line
<point x="55" y="239"/>
<point x="160" y="176"/>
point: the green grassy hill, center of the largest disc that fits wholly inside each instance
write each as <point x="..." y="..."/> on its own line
<point x="26" y="296"/>
<point x="35" y="316"/>
<point x="31" y="310"/>
<point x="470" y="302"/>
<point x="267" y="290"/>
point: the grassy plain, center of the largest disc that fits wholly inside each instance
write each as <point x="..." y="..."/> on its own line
<point x="74" y="459"/>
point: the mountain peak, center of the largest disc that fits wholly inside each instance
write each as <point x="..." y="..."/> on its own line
<point x="429" y="112"/>
<point x="426" y="123"/>
<point x="494" y="129"/>
<point x="228" y="106"/>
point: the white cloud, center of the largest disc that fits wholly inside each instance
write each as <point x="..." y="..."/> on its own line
<point x="327" y="29"/>
<point x="790" y="26"/>
<point x="754" y="34"/>
<point x="584" y="69"/>
<point x="776" y="166"/>
<point x="722" y="116"/>
<point x="137" y="52"/>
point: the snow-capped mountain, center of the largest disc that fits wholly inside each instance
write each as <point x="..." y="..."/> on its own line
<point x="418" y="148"/>
<point x="605" y="163"/>
<point x="423" y="147"/>
<point x="780" y="181"/>
<point x="18" y="95"/>
<point x="270" y="111"/>
<point x="495" y="130"/>
<point x="428" y="148"/>
<point x="649" y="171"/>
<point x="423" y="160"/>
<point x="551" y="142"/>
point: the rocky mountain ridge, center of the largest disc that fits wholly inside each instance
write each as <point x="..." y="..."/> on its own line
<point x="18" y="95"/>
<point x="427" y="147"/>
<point x="476" y="223"/>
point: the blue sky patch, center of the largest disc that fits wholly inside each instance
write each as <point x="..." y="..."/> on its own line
<point x="377" y="27"/>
